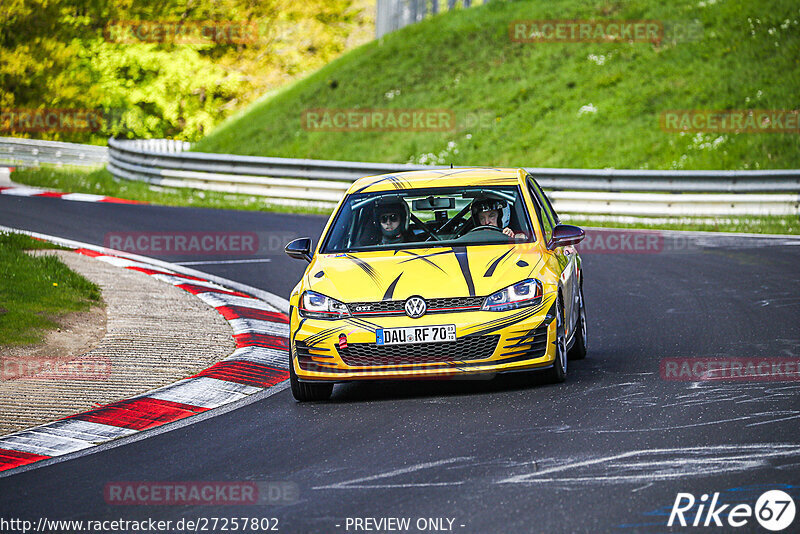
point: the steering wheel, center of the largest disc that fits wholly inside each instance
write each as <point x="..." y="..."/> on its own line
<point x="486" y="227"/>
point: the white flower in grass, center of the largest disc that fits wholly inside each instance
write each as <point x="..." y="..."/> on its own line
<point x="588" y="108"/>
<point x="598" y="60"/>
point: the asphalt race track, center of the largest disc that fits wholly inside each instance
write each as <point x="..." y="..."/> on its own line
<point x="607" y="451"/>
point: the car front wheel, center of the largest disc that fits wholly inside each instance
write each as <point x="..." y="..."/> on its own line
<point x="304" y="391"/>
<point x="558" y="373"/>
<point x="578" y="350"/>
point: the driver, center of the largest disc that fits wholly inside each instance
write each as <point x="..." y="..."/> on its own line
<point x="488" y="212"/>
<point x="392" y="218"/>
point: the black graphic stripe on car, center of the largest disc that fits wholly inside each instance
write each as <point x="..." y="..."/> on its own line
<point x="425" y="257"/>
<point x="321" y="336"/>
<point x="490" y="271"/>
<point x="367" y="268"/>
<point x="390" y="289"/>
<point x="463" y="262"/>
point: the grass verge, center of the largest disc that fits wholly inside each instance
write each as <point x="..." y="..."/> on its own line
<point x="36" y="290"/>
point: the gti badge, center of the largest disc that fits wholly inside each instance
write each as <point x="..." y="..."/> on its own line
<point x="416" y="307"/>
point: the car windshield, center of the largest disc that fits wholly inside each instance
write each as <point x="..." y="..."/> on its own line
<point x="428" y="218"/>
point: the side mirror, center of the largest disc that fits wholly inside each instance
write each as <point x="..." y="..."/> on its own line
<point x="299" y="249"/>
<point x="565" y="234"/>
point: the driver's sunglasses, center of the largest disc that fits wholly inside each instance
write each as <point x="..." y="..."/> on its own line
<point x="393" y="217"/>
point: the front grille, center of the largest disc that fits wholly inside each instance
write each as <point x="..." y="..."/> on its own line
<point x="462" y="349"/>
<point x="397" y="307"/>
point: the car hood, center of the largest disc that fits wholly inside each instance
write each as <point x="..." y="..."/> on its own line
<point x="430" y="273"/>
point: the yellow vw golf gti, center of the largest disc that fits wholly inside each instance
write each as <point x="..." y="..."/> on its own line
<point x="437" y="274"/>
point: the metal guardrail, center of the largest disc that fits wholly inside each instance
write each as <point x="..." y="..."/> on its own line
<point x="391" y="15"/>
<point x="321" y="183"/>
<point x="18" y="151"/>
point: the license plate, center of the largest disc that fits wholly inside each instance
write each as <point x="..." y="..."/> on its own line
<point x="415" y="334"/>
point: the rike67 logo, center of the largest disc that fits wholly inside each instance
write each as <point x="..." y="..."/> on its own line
<point x="774" y="510"/>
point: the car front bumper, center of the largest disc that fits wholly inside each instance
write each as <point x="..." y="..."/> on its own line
<point x="486" y="343"/>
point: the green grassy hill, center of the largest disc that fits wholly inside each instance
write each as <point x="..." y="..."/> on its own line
<point x="589" y="105"/>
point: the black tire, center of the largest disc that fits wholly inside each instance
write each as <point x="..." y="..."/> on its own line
<point x="558" y="373"/>
<point x="578" y="350"/>
<point x="304" y="391"/>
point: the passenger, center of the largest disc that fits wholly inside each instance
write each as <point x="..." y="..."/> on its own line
<point x="392" y="218"/>
<point x="489" y="212"/>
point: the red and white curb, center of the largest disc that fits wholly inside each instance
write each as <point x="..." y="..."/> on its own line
<point x="24" y="191"/>
<point x="259" y="362"/>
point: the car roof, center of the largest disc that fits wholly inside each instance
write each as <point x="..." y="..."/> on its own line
<point x="463" y="177"/>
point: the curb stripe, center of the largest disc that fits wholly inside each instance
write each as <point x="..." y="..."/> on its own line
<point x="240" y="312"/>
<point x="171" y="278"/>
<point x="164" y="273"/>
<point x="262" y="340"/>
<point x="116" y="200"/>
<point x="259" y="361"/>
<point x="87" y="252"/>
<point x="204" y="392"/>
<point x="256" y="326"/>
<point x="196" y="289"/>
<point x="26" y="191"/>
<point x="37" y="442"/>
<point x="140" y="413"/>
<point x="261" y="355"/>
<point x="216" y="300"/>
<point x="85" y="430"/>
<point x="244" y="372"/>
<point x="9" y="459"/>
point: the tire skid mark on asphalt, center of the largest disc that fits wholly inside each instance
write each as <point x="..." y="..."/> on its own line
<point x="650" y="465"/>
<point x="259" y="362"/>
<point x="639" y="468"/>
<point x="358" y="483"/>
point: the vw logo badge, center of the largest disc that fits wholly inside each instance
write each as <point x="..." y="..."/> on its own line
<point x="416" y="307"/>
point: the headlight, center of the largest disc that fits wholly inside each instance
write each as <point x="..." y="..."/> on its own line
<point x="317" y="306"/>
<point x="525" y="293"/>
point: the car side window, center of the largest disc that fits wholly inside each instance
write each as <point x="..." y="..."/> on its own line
<point x="541" y="214"/>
